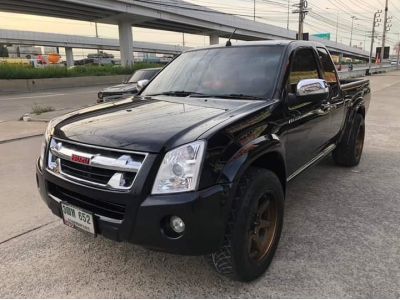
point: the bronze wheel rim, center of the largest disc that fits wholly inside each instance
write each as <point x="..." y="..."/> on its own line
<point x="359" y="142"/>
<point x="262" y="230"/>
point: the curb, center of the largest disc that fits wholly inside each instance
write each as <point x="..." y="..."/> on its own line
<point x="20" y="138"/>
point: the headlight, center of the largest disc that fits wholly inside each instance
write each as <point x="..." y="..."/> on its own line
<point x="47" y="135"/>
<point x="180" y="169"/>
<point x="42" y="152"/>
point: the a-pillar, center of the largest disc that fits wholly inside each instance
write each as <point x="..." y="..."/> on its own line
<point x="70" y="56"/>
<point x="214" y="39"/>
<point x="126" y="43"/>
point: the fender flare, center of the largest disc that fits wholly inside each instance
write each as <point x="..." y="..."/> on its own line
<point x="249" y="154"/>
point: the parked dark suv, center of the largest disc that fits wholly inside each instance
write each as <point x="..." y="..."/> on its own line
<point x="127" y="88"/>
<point x="198" y="162"/>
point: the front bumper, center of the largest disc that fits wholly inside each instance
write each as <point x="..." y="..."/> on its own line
<point x="204" y="213"/>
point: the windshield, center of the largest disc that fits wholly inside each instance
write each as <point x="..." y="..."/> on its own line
<point x="143" y="74"/>
<point x="247" y="71"/>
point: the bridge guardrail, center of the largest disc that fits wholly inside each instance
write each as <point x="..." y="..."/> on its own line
<point x="360" y="72"/>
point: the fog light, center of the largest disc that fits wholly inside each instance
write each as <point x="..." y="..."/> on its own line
<point x="177" y="224"/>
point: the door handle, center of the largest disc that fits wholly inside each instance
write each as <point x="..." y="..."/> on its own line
<point x="324" y="109"/>
<point x="326" y="106"/>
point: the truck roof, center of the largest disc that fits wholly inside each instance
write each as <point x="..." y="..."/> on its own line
<point x="262" y="43"/>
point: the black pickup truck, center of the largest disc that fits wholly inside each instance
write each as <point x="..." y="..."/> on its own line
<point x="198" y="163"/>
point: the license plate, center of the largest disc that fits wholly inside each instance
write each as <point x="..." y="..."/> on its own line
<point x="77" y="218"/>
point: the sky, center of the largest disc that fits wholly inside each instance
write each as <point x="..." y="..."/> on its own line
<point x="325" y="16"/>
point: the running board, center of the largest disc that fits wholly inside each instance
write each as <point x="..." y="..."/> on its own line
<point x="324" y="153"/>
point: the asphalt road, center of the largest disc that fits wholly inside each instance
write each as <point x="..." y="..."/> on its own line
<point x="341" y="235"/>
<point x="13" y="106"/>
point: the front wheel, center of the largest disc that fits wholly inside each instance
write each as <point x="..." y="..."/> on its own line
<point x="348" y="152"/>
<point x="254" y="227"/>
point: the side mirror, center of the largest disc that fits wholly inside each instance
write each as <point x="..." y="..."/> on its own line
<point x="141" y="84"/>
<point x="312" y="88"/>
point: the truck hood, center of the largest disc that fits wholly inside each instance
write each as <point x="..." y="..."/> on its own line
<point x="148" y="124"/>
<point x="120" y="88"/>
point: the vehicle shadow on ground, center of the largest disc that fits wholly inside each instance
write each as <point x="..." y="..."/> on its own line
<point x="156" y="274"/>
<point x="336" y="242"/>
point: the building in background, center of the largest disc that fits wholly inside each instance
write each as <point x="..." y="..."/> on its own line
<point x="19" y="51"/>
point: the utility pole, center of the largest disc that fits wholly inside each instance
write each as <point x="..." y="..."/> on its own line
<point x="385" y="19"/>
<point x="302" y="11"/>
<point x="351" y="33"/>
<point x="375" y="23"/>
<point x="288" y="14"/>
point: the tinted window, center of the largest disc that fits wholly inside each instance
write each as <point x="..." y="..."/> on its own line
<point x="328" y="68"/>
<point x="246" y="70"/>
<point x="143" y="74"/>
<point x="304" y="66"/>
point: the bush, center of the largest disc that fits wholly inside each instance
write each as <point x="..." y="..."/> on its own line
<point x="39" y="109"/>
<point x="11" y="71"/>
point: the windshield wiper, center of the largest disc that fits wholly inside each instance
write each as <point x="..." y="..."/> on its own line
<point x="177" y="94"/>
<point x="196" y="94"/>
<point x="234" y="96"/>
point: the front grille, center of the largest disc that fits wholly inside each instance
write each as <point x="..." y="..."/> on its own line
<point x="107" y="94"/>
<point x="94" y="166"/>
<point x="88" y="173"/>
<point x="99" y="207"/>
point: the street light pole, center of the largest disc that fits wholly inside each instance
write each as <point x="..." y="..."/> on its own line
<point x="254" y="10"/>
<point x="337" y="26"/>
<point x="351" y="33"/>
<point x="398" y="50"/>
<point x="97" y="35"/>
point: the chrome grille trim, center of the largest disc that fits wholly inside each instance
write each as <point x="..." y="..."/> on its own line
<point x="97" y="160"/>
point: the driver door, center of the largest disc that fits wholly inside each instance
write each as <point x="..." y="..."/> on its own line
<point x="308" y="118"/>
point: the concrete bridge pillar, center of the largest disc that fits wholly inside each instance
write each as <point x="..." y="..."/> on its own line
<point x="70" y="56"/>
<point x="214" y="39"/>
<point x="126" y="43"/>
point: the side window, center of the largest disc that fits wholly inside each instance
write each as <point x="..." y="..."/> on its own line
<point x="304" y="66"/>
<point x="329" y="69"/>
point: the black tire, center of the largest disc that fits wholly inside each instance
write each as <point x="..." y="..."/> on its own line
<point x="237" y="258"/>
<point x="348" y="152"/>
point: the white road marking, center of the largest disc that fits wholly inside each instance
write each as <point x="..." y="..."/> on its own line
<point x="32" y="97"/>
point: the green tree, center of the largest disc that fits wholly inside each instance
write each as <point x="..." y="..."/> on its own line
<point x="3" y="51"/>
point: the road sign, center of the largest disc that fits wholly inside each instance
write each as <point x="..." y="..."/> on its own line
<point x="325" y="36"/>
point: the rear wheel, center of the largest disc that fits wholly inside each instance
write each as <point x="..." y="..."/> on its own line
<point x="348" y="152"/>
<point x="254" y="227"/>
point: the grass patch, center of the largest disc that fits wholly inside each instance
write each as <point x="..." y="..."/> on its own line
<point x="10" y="71"/>
<point x="40" y="109"/>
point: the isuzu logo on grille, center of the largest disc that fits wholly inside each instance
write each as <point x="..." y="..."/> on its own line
<point x="80" y="159"/>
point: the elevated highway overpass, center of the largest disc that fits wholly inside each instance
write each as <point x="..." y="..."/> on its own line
<point x="172" y="15"/>
<point x="76" y="41"/>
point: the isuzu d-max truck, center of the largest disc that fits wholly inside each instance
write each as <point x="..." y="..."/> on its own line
<point x="198" y="162"/>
